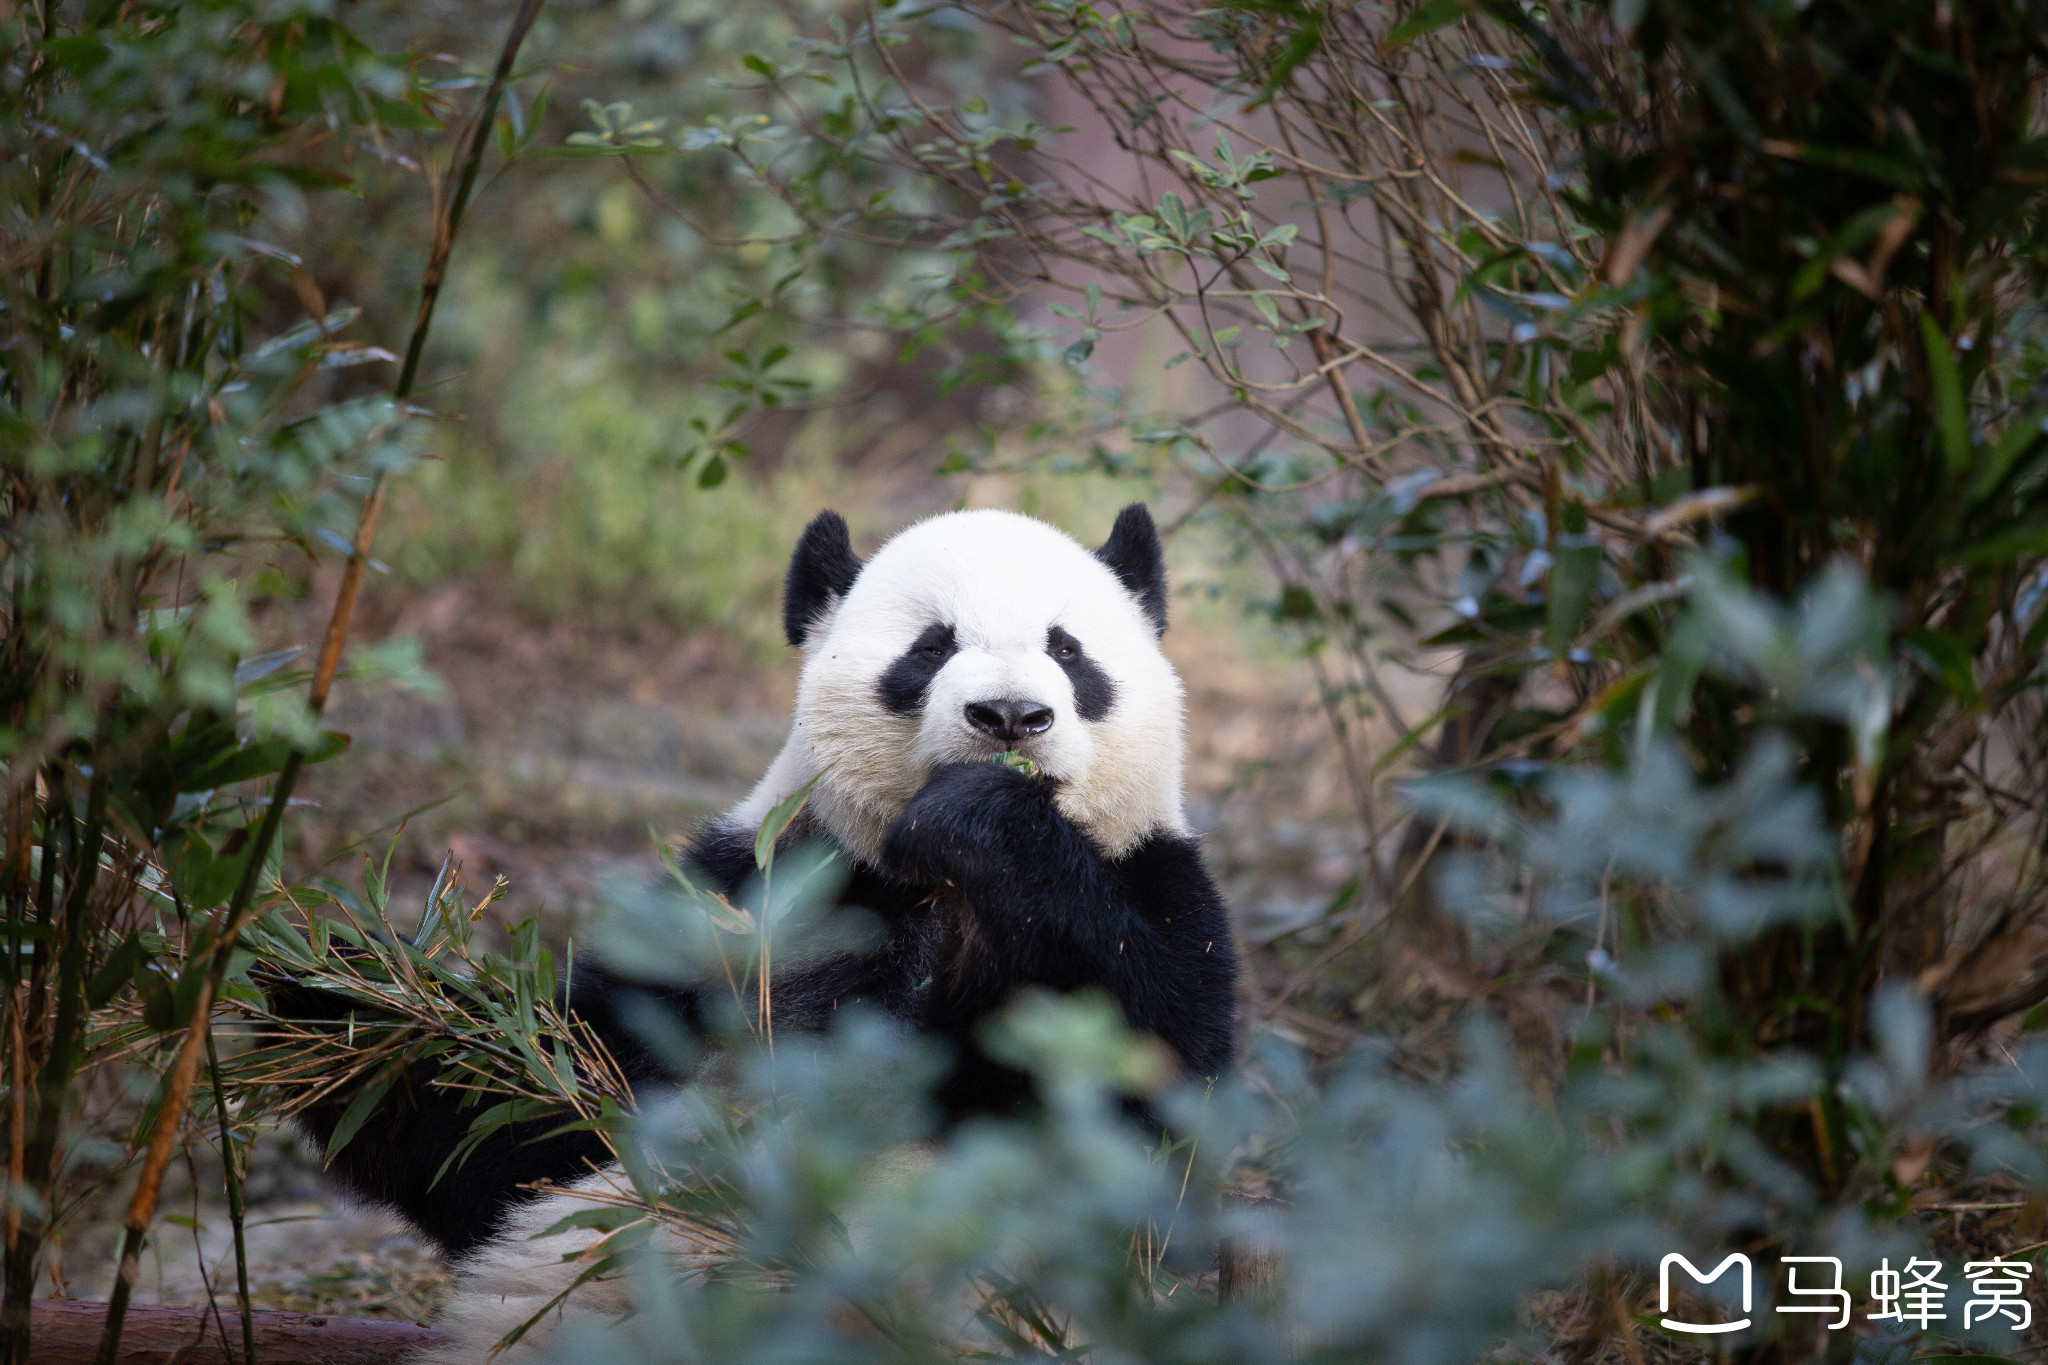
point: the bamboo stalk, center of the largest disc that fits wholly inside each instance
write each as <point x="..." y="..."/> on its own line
<point x="20" y="1282"/>
<point x="60" y="1061"/>
<point x="178" y="1085"/>
<point x="236" y="1210"/>
<point x="17" y="1112"/>
<point x="20" y="835"/>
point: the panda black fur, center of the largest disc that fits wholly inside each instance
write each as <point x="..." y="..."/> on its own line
<point x="966" y="634"/>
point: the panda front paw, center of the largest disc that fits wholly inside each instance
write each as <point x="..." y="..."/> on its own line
<point x="963" y="826"/>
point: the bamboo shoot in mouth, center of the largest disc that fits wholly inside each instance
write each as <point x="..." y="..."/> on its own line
<point x="1015" y="762"/>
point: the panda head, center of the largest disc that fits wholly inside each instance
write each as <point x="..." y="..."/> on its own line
<point x="970" y="633"/>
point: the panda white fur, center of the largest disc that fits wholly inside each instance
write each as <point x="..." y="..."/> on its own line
<point x="966" y="634"/>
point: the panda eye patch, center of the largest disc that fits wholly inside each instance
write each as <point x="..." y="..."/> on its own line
<point x="904" y="683"/>
<point x="1094" y="693"/>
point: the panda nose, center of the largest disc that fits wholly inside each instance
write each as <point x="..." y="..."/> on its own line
<point x="1009" y="718"/>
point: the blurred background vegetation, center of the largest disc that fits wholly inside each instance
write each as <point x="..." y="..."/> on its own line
<point x="1604" y="460"/>
<point x="591" y="563"/>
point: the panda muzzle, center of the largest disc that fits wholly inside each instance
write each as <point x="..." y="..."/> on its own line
<point x="1010" y="719"/>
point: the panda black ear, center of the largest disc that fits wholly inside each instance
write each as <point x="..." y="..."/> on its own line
<point x="1134" y="555"/>
<point x="822" y="569"/>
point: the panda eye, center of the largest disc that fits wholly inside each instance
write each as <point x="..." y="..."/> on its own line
<point x="1064" y="648"/>
<point x="933" y="651"/>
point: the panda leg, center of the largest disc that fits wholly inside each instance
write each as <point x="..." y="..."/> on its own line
<point x="526" y="1268"/>
<point x="401" y="1157"/>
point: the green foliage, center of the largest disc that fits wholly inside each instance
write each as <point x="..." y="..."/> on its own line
<point x="1403" y="1219"/>
<point x="178" y="445"/>
<point x="590" y="503"/>
<point x="1677" y="372"/>
<point x="145" y="429"/>
<point x="655" y="375"/>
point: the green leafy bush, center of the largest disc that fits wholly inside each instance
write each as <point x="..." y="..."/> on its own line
<point x="1676" y="373"/>
<point x="1402" y="1218"/>
<point x="180" y="443"/>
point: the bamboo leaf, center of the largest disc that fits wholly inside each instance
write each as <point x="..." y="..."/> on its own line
<point x="777" y="820"/>
<point x="1952" y="417"/>
<point x="1945" y="658"/>
<point x="1569" y="593"/>
<point x="257" y="760"/>
<point x="631" y="1159"/>
<point x="1424" y="20"/>
<point x="361" y="1107"/>
<point x="605" y="1218"/>
<point x="501" y="1115"/>
<point x="511" y="1338"/>
<point x="116" y="970"/>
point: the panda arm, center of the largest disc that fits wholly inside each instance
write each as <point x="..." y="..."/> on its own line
<point x="1150" y="927"/>
<point x="810" y="987"/>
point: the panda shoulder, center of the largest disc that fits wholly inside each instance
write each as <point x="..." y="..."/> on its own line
<point x="1167" y="866"/>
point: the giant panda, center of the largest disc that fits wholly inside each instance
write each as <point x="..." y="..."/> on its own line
<point x="965" y="635"/>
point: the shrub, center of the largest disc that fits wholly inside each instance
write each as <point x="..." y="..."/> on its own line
<point x="1677" y="368"/>
<point x="175" y="446"/>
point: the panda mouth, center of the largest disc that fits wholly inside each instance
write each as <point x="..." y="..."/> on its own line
<point x="1026" y="755"/>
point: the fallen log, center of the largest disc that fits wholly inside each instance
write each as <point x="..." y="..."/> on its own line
<point x="67" y="1332"/>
